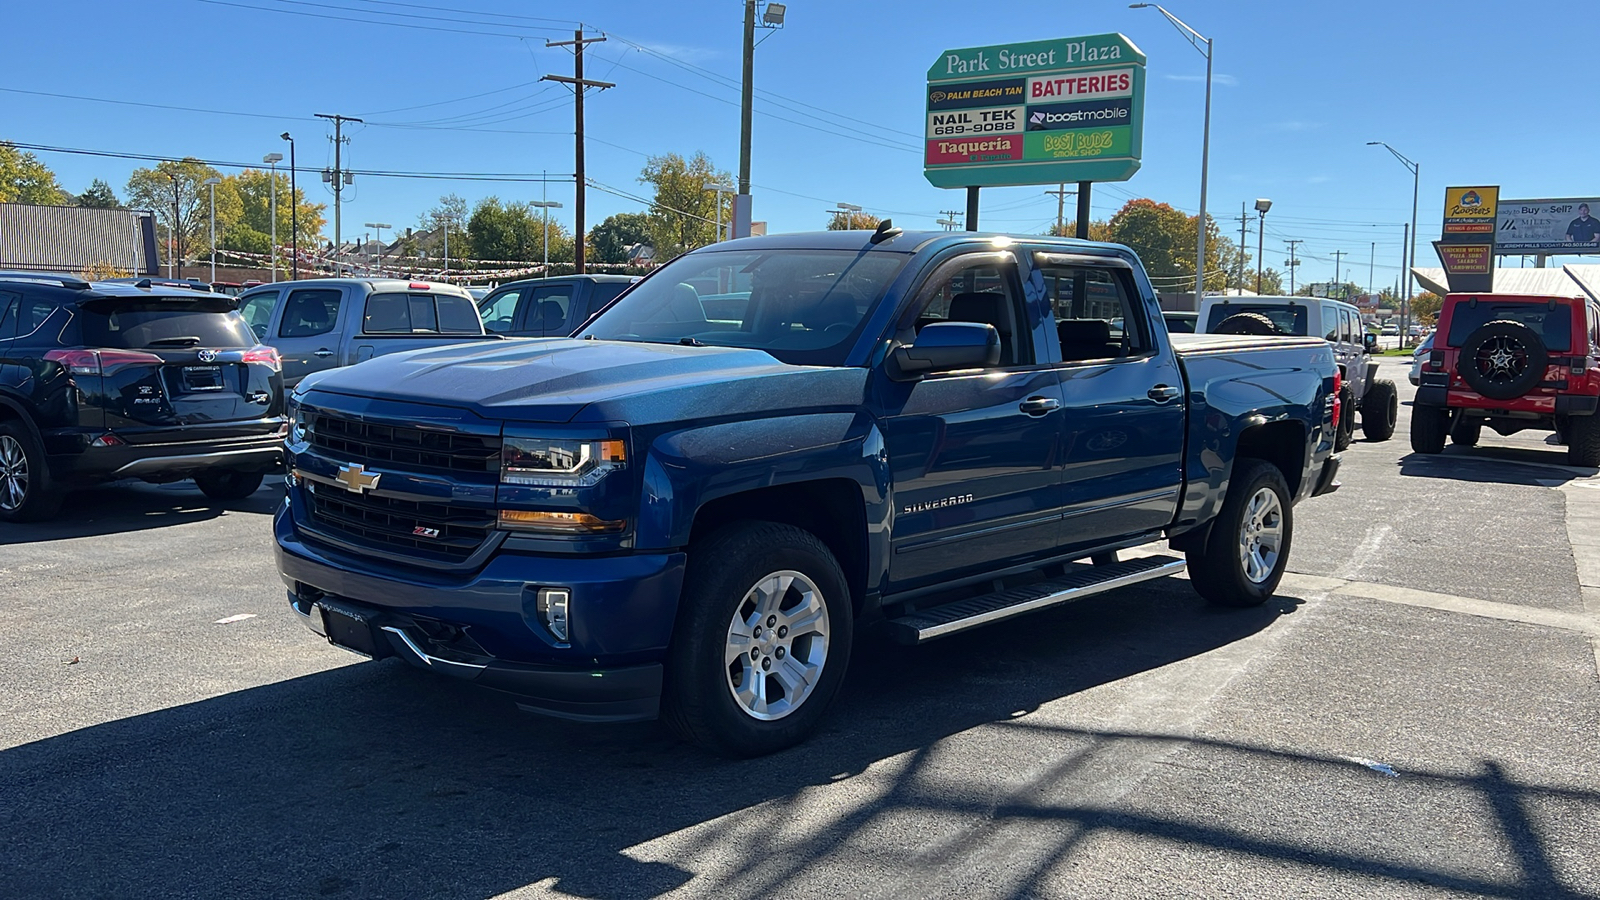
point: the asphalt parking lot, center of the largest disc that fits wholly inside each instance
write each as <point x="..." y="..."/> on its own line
<point x="1416" y="715"/>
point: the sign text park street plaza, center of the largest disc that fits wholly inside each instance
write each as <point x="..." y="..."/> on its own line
<point x="1036" y="113"/>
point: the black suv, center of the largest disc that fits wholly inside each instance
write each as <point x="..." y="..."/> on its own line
<point x="105" y="381"/>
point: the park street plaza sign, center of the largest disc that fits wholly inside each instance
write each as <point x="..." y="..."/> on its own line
<point x="1041" y="112"/>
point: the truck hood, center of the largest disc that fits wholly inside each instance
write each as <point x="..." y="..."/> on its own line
<point x="565" y="380"/>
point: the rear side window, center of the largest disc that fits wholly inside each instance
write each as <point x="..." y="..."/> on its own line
<point x="395" y="313"/>
<point x="547" y="310"/>
<point x="310" y="312"/>
<point x="1093" y="310"/>
<point x="1287" y="319"/>
<point x="1554" y="326"/>
<point x="8" y="314"/>
<point x="174" y="323"/>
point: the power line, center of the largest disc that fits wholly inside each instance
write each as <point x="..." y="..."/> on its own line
<point x="371" y="21"/>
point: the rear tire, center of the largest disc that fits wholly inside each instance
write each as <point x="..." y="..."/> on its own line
<point x="1466" y="434"/>
<point x="747" y="584"/>
<point x="1246" y="323"/>
<point x="1583" y="441"/>
<point x="228" y="484"/>
<point x="1429" y="425"/>
<point x="1247" y="551"/>
<point x="1380" y="410"/>
<point x="1347" y="420"/>
<point x="26" y="493"/>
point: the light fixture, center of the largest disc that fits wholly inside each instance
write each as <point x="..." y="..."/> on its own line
<point x="1263" y="205"/>
<point x="773" y="15"/>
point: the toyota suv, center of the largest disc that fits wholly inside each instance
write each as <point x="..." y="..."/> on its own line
<point x="102" y="381"/>
<point x="1512" y="362"/>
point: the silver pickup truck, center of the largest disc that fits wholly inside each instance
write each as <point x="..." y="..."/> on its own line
<point x="324" y="323"/>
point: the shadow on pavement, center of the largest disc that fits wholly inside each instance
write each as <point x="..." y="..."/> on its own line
<point x="135" y="506"/>
<point x="1495" y="464"/>
<point x="379" y="780"/>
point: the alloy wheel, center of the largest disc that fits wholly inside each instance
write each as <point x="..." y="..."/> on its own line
<point x="13" y="473"/>
<point x="1261" y="535"/>
<point x="1501" y="359"/>
<point x="777" y="645"/>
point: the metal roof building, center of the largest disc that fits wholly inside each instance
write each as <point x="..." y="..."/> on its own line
<point x="72" y="238"/>
<point x="1567" y="281"/>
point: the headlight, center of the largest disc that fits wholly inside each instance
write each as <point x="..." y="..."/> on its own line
<point x="546" y="462"/>
<point x="299" y="423"/>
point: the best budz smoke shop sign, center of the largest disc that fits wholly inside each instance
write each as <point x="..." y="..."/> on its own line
<point x="1036" y="113"/>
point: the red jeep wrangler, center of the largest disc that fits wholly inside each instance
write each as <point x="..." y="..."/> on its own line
<point x="1512" y="362"/>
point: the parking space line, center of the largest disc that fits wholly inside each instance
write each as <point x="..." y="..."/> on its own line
<point x="1583" y="623"/>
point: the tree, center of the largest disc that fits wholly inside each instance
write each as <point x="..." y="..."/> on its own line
<point x="609" y="241"/>
<point x="99" y="195"/>
<point x="1425" y="306"/>
<point x="1165" y="237"/>
<point x="452" y="209"/>
<point x="176" y="193"/>
<point x="1098" y="231"/>
<point x="24" y="179"/>
<point x="844" y="220"/>
<point x="244" y="213"/>
<point x="514" y="231"/>
<point x="684" y="214"/>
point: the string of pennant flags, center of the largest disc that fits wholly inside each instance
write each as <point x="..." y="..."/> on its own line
<point x="469" y="271"/>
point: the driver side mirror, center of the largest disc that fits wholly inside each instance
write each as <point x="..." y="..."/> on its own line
<point x="947" y="347"/>
<point x="1369" y="341"/>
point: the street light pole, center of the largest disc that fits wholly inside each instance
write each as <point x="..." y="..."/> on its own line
<point x="849" y="211"/>
<point x="721" y="189"/>
<point x="1416" y="186"/>
<point x="212" y="183"/>
<point x="294" y="211"/>
<point x="174" y="263"/>
<point x="1194" y="37"/>
<point x="272" y="159"/>
<point x="546" y="205"/>
<point x="1262" y="205"/>
<point x="379" y="227"/>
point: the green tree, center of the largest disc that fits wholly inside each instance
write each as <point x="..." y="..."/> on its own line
<point x="176" y="193"/>
<point x="515" y="231"/>
<point x="25" y="179"/>
<point x="244" y="213"/>
<point x="609" y="241"/>
<point x="1165" y="237"/>
<point x="684" y="214"/>
<point x="99" y="195"/>
<point x="844" y="220"/>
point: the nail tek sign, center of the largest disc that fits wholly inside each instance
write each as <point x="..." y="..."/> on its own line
<point x="1036" y="113"/>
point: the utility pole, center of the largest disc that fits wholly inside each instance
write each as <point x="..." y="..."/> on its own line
<point x="1061" y="194"/>
<point x="1293" y="262"/>
<point x="578" y="85"/>
<point x="175" y="266"/>
<point x="340" y="178"/>
<point x="949" y="218"/>
<point x="1338" y="255"/>
<point x="1244" y="222"/>
<point x="1372" y="263"/>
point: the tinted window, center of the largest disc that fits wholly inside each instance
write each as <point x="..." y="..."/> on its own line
<point x="804" y="307"/>
<point x="1287" y="319"/>
<point x="500" y="310"/>
<point x="984" y="293"/>
<point x="170" y="322"/>
<point x="1554" y="326"/>
<point x="8" y="314"/>
<point x="457" y="315"/>
<point x="1092" y="310"/>
<point x="310" y="312"/>
<point x="547" y="310"/>
<point x="257" y="311"/>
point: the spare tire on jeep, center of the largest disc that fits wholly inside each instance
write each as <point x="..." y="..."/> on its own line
<point x="1246" y="323"/>
<point x="1503" y="360"/>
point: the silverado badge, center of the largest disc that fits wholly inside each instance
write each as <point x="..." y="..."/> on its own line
<point x="355" y="478"/>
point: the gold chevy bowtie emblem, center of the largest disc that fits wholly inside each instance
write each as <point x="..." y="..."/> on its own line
<point x="356" y="479"/>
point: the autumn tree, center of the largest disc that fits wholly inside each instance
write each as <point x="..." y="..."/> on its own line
<point x="683" y="215"/>
<point x="609" y="241"/>
<point x="176" y="193"/>
<point x="1165" y="238"/>
<point x="1425" y="306"/>
<point x="1098" y="231"/>
<point x="845" y="220"/>
<point x="25" y="179"/>
<point x="244" y="219"/>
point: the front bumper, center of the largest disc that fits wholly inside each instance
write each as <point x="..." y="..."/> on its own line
<point x="622" y="613"/>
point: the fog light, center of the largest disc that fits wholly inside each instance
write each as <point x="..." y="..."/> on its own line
<point x="557" y="522"/>
<point x="553" y="610"/>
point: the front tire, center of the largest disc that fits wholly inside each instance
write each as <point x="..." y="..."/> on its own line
<point x="1380" y="410"/>
<point x="227" y="485"/>
<point x="1247" y="552"/>
<point x="1583" y="441"/>
<point x="26" y="494"/>
<point x="1429" y="425"/>
<point x="763" y="637"/>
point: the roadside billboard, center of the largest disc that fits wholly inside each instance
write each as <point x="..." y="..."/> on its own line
<point x="1548" y="226"/>
<point x="1470" y="210"/>
<point x="1040" y="112"/>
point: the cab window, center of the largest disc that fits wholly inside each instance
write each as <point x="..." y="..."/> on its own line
<point x="985" y="292"/>
<point x="499" y="311"/>
<point x="257" y="312"/>
<point x="1093" y="307"/>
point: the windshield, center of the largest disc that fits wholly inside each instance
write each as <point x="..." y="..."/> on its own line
<point x="1288" y="319"/>
<point x="1554" y="326"/>
<point x="805" y="307"/>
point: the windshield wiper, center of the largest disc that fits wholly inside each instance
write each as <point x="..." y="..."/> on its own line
<point x="185" y="341"/>
<point x="691" y="342"/>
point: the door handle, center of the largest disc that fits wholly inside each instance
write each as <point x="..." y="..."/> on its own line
<point x="1161" y="393"/>
<point x="324" y="353"/>
<point x="1039" y="406"/>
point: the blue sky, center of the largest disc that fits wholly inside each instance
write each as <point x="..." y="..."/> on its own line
<point x="1475" y="95"/>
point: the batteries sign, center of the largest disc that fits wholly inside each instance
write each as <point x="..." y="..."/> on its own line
<point x="1038" y="112"/>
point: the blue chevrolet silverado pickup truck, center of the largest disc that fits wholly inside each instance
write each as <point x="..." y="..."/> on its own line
<point x="690" y="508"/>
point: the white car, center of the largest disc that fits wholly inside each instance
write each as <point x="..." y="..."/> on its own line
<point x="1418" y="356"/>
<point x="1390" y="331"/>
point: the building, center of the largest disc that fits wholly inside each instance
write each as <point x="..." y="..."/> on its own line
<point x="74" y="238"/>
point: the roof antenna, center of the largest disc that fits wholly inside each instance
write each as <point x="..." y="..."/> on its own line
<point x="886" y="230"/>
